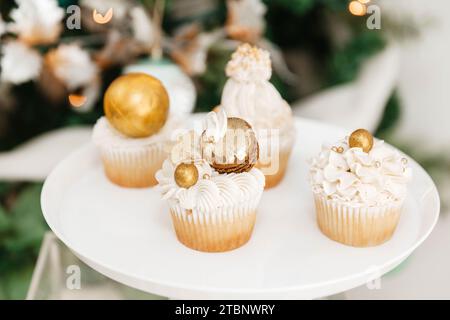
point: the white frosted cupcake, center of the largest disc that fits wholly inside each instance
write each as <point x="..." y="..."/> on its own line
<point x="211" y="211"/>
<point x="249" y="94"/>
<point x="134" y="136"/>
<point x="359" y="189"/>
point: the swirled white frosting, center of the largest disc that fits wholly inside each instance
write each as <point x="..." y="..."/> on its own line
<point x="249" y="94"/>
<point x="357" y="178"/>
<point x="105" y="134"/>
<point x="212" y="189"/>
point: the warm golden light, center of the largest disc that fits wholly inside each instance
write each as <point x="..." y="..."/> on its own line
<point x="364" y="1"/>
<point x="77" y="100"/>
<point x="103" y="19"/>
<point x="356" y="8"/>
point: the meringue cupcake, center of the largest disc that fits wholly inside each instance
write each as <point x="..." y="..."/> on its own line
<point x="212" y="210"/>
<point x="248" y="94"/>
<point x="359" y="188"/>
<point x="134" y="135"/>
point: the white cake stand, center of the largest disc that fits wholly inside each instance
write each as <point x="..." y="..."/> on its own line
<point x="127" y="235"/>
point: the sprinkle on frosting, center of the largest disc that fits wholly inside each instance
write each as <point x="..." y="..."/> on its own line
<point x="249" y="64"/>
<point x="357" y="178"/>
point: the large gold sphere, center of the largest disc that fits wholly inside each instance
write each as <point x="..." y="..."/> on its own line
<point x="237" y="151"/>
<point x="361" y="138"/>
<point x="137" y="105"/>
<point x="186" y="175"/>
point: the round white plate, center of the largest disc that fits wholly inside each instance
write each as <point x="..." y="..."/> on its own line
<point x="127" y="234"/>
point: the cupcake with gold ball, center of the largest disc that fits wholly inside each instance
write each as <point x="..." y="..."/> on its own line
<point x="134" y="135"/>
<point x="359" y="186"/>
<point x="248" y="94"/>
<point x="212" y="186"/>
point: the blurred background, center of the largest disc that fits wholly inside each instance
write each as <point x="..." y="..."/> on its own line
<point x="382" y="65"/>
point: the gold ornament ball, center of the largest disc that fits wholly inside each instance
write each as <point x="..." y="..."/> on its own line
<point x="361" y="138"/>
<point x="186" y="175"/>
<point x="137" y="105"/>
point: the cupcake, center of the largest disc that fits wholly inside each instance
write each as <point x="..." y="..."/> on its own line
<point x="248" y="94"/>
<point x="359" y="188"/>
<point x="134" y="135"/>
<point x="212" y="186"/>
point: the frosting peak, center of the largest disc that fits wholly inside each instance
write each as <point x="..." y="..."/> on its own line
<point x="215" y="125"/>
<point x="249" y="64"/>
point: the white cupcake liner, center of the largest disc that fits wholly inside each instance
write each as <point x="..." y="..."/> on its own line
<point x="133" y="167"/>
<point x="357" y="226"/>
<point x="226" y="228"/>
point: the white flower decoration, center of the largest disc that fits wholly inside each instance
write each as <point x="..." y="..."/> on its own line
<point x="72" y="65"/>
<point x="37" y="22"/>
<point x="19" y="63"/>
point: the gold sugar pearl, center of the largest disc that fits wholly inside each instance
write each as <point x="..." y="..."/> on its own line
<point x="405" y="161"/>
<point x="361" y="138"/>
<point x="186" y="175"/>
<point x="206" y="176"/>
<point x="338" y="149"/>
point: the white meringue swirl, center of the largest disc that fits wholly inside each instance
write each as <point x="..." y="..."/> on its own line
<point x="358" y="178"/>
<point x="215" y="125"/>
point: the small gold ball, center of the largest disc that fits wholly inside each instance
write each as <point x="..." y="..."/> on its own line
<point x="136" y="104"/>
<point x="361" y="138"/>
<point x="186" y="175"/>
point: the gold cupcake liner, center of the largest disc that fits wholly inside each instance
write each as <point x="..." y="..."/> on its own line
<point x="133" y="167"/>
<point x="357" y="226"/>
<point x="225" y="229"/>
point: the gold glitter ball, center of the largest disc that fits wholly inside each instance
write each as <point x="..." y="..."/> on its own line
<point x="361" y="138"/>
<point x="186" y="175"/>
<point x="237" y="151"/>
<point x="137" y="105"/>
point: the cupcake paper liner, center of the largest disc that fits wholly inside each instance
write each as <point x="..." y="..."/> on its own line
<point x="133" y="167"/>
<point x="224" y="229"/>
<point x="357" y="226"/>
